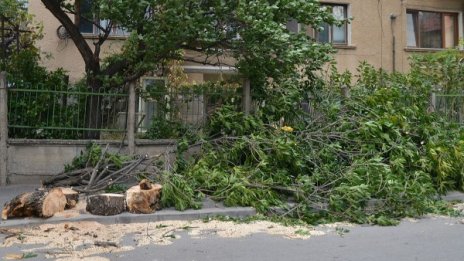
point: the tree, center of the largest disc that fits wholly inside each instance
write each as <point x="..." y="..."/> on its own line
<point x="252" y="32"/>
<point x="16" y="30"/>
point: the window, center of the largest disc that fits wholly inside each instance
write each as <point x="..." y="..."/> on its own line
<point x="432" y="29"/>
<point x="24" y="4"/>
<point x="293" y="26"/>
<point x="148" y="108"/>
<point x="337" y="35"/>
<point x="332" y="33"/>
<point x="89" y="24"/>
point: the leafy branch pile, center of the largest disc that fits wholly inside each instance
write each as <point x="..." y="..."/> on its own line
<point x="373" y="158"/>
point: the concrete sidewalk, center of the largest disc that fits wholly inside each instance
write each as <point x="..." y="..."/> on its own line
<point x="210" y="209"/>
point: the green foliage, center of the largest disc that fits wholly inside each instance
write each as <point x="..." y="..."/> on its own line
<point x="373" y="158"/>
<point x="162" y="128"/>
<point x="23" y="65"/>
<point x="228" y="121"/>
<point x="172" y="102"/>
<point x="251" y="32"/>
<point x="92" y="155"/>
<point x="116" y="188"/>
<point x="442" y="70"/>
<point x="38" y="107"/>
<point x="16" y="17"/>
<point x="177" y="192"/>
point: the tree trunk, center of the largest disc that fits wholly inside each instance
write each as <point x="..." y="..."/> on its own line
<point x="35" y="204"/>
<point x="72" y="197"/>
<point x="143" y="198"/>
<point x="106" y="204"/>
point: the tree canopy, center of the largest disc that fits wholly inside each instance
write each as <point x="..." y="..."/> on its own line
<point x="252" y="32"/>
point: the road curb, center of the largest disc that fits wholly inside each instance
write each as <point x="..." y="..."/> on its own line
<point x="127" y="218"/>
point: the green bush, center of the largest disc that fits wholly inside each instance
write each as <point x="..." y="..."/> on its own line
<point x="41" y="107"/>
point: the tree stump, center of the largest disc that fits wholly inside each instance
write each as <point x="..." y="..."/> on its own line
<point x="107" y="204"/>
<point x="143" y="198"/>
<point x="42" y="204"/>
<point x="72" y="197"/>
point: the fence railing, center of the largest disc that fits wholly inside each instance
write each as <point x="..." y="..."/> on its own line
<point x="68" y="112"/>
<point x="63" y="111"/>
<point x="182" y="108"/>
<point x="36" y="111"/>
<point x="449" y="106"/>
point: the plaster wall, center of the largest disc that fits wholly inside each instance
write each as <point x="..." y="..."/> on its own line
<point x="372" y="30"/>
<point x="30" y="161"/>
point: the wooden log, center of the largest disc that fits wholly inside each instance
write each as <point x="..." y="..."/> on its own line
<point x="143" y="198"/>
<point x="42" y="204"/>
<point x="72" y="197"/>
<point x="106" y="204"/>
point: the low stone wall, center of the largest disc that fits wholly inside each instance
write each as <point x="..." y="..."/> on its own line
<point x="30" y="161"/>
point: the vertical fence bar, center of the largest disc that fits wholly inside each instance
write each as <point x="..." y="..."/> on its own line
<point x="432" y="102"/>
<point x="345" y="92"/>
<point x="3" y="129"/>
<point x="3" y="52"/>
<point x="246" y="99"/>
<point x="131" y="119"/>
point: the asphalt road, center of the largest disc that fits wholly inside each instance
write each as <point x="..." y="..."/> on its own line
<point x="427" y="239"/>
<point x="430" y="238"/>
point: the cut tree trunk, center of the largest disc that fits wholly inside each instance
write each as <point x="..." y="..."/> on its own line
<point x="143" y="198"/>
<point x="106" y="204"/>
<point x="72" y="197"/>
<point x="42" y="204"/>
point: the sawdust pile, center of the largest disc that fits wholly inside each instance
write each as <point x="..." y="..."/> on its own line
<point x="75" y="241"/>
<point x="459" y="207"/>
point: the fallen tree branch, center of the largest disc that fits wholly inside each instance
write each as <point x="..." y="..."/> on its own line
<point x="95" y="169"/>
<point x="104" y="174"/>
<point x="105" y="244"/>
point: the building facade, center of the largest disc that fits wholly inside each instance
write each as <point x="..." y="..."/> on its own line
<point x="382" y="32"/>
<point x="385" y="33"/>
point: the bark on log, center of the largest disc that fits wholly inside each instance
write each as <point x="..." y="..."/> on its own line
<point x="106" y="204"/>
<point x="143" y="198"/>
<point x="42" y="204"/>
<point x="72" y="197"/>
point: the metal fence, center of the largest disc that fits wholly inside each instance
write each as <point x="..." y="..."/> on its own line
<point x="65" y="112"/>
<point x="62" y="112"/>
<point x="182" y="108"/>
<point x="449" y="106"/>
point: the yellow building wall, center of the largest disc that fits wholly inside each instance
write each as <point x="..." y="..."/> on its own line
<point x="372" y="30"/>
<point x="59" y="53"/>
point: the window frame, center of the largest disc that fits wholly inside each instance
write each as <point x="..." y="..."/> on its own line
<point x="143" y="103"/>
<point x="346" y="24"/>
<point x="443" y="14"/>
<point x="115" y="31"/>
<point x="294" y="26"/>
